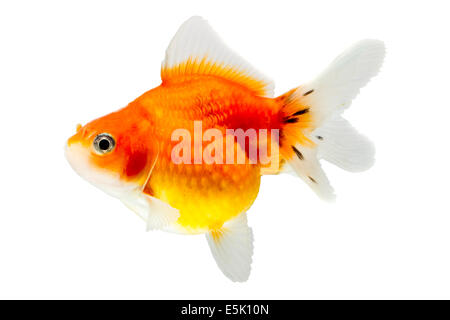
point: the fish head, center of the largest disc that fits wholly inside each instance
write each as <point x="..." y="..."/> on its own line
<point x="114" y="153"/>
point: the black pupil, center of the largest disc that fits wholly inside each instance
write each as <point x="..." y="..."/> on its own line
<point x="104" y="144"/>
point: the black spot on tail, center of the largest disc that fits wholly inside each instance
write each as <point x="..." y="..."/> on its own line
<point x="319" y="137"/>
<point x="299" y="113"/>
<point x="291" y="120"/>
<point x="309" y="92"/>
<point x="312" y="179"/>
<point x="298" y="153"/>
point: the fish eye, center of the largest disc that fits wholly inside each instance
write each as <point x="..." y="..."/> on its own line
<point x="104" y="143"/>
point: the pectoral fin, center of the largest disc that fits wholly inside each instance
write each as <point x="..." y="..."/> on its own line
<point x="232" y="248"/>
<point x="155" y="212"/>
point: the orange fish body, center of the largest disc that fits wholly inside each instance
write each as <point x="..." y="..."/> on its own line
<point x="170" y="155"/>
<point x="207" y="195"/>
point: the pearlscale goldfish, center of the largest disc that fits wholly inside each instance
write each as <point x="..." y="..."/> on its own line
<point x="172" y="154"/>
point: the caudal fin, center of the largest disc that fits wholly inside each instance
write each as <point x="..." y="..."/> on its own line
<point x="313" y="128"/>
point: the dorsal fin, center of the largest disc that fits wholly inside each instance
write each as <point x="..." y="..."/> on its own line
<point x="196" y="49"/>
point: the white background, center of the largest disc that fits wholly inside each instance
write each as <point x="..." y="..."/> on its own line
<point x="387" y="236"/>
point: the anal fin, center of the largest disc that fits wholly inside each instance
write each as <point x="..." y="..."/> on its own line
<point x="232" y="248"/>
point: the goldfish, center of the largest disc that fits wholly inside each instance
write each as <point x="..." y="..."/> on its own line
<point x="188" y="156"/>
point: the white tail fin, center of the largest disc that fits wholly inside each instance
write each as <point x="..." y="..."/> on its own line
<point x="313" y="127"/>
<point x="336" y="87"/>
<point x="306" y="165"/>
<point x="339" y="143"/>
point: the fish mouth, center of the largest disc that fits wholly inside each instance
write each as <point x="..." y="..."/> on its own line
<point x="79" y="156"/>
<point x="76" y="158"/>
